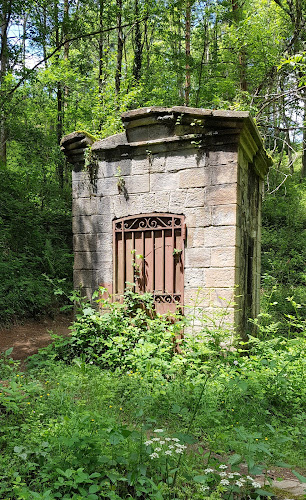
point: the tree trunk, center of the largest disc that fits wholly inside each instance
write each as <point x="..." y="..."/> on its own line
<point x="5" y="16"/>
<point x="101" y="46"/>
<point x="241" y="53"/>
<point x="187" y="51"/>
<point x="303" y="170"/>
<point x="66" y="49"/>
<point x="138" y="47"/>
<point x="119" y="47"/>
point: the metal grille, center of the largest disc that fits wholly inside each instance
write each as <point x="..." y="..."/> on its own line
<point x="149" y="257"/>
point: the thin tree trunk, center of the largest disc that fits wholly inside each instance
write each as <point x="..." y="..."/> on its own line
<point x="66" y="49"/>
<point x="5" y="16"/>
<point x="119" y="47"/>
<point x="187" y="52"/>
<point x="138" y="47"/>
<point x="101" y="45"/>
<point x="59" y="98"/>
<point x="303" y="170"/>
<point x="242" y="53"/>
<point x="204" y="57"/>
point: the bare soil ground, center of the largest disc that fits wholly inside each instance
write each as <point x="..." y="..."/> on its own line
<point x="27" y="337"/>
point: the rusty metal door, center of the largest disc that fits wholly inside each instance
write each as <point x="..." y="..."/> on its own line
<point x="149" y="257"/>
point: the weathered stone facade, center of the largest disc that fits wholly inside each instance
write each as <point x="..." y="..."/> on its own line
<point x="206" y="165"/>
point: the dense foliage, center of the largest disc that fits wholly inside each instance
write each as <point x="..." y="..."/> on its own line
<point x="160" y="424"/>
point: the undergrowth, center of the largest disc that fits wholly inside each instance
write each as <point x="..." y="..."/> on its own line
<point x="117" y="411"/>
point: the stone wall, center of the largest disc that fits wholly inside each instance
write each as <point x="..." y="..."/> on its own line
<point x="192" y="163"/>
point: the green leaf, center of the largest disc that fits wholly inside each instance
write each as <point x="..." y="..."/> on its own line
<point x="234" y="459"/>
<point x="200" y="479"/>
<point x="299" y="476"/>
<point x="264" y="493"/>
<point x="94" y="488"/>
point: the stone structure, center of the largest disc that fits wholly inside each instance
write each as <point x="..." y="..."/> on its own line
<point x="202" y="165"/>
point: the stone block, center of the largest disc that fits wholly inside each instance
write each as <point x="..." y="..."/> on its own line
<point x="164" y="182"/>
<point x="83" y="278"/>
<point x="223" y="257"/>
<point x="112" y="168"/>
<point x="140" y="165"/>
<point x="177" y="200"/>
<point x="102" y="224"/>
<point x="195" y="237"/>
<point x="198" y="217"/>
<point x="224" y="174"/>
<point x="193" y="177"/>
<point x="122" y="207"/>
<point x="195" y="198"/>
<point x="194" y="278"/>
<point x="224" y="215"/>
<point x="146" y="203"/>
<point x="221" y="195"/>
<point x="84" y="242"/>
<point x="197" y="257"/>
<point x="157" y="163"/>
<point x="216" y="277"/>
<point x="104" y="205"/>
<point x="84" y="224"/>
<point x="82" y="189"/>
<point x="105" y="246"/>
<point x="222" y="157"/>
<point x="181" y="161"/>
<point x="107" y="186"/>
<point x="137" y="184"/>
<point x="86" y="260"/>
<point x="84" y="206"/>
<point x="105" y="273"/>
<point x="220" y="236"/>
<point x="162" y="201"/>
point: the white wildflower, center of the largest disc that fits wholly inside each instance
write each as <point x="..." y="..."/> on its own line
<point x="250" y="478"/>
<point x="168" y="452"/>
<point x="204" y="487"/>
<point x="156" y="439"/>
<point x="158" y="430"/>
<point x="175" y="439"/>
<point x="168" y="439"/>
<point x="256" y="485"/>
<point x="242" y="480"/>
<point x="158" y="449"/>
<point x="207" y="471"/>
<point x="223" y="474"/>
<point x="223" y="466"/>
<point x="147" y="443"/>
<point x="230" y="475"/>
<point x="162" y="442"/>
<point x="236" y="474"/>
<point x="179" y="450"/>
<point x="239" y="483"/>
<point x="182" y="446"/>
<point x="170" y="446"/>
<point x="224" y="482"/>
<point x="154" y="455"/>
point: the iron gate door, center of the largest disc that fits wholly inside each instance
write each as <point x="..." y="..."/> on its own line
<point x="149" y="257"/>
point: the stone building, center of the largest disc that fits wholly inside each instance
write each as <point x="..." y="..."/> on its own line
<point x="171" y="205"/>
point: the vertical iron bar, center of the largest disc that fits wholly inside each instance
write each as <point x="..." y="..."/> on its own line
<point x="143" y="260"/>
<point x="153" y="261"/>
<point x="123" y="257"/>
<point x="133" y="259"/>
<point x="163" y="258"/>
<point x="173" y="257"/>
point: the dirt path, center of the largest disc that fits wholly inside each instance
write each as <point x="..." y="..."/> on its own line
<point x="31" y="335"/>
